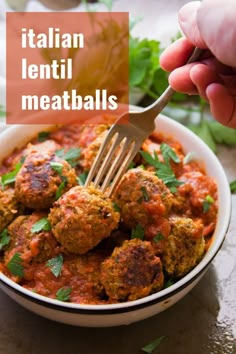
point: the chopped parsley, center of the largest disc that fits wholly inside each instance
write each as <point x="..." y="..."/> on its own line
<point x="82" y="178"/>
<point x="168" y="153"/>
<point x="145" y="196"/>
<point x="163" y="169"/>
<point x="42" y="136"/>
<point x="138" y="232"/>
<point x="71" y="156"/>
<point x="189" y="157"/>
<point x="4" y="239"/>
<point x="57" y="166"/>
<point x="116" y="207"/>
<point x="15" y="265"/>
<point x="41" y="225"/>
<point x="63" y="294"/>
<point x="207" y="203"/>
<point x="59" y="191"/>
<point x="168" y="283"/>
<point x="232" y="186"/>
<point x="150" y="347"/>
<point x="10" y="177"/>
<point x="55" y="264"/>
<point x="158" y="237"/>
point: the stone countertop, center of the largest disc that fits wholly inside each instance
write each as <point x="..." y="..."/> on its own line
<point x="203" y="322"/>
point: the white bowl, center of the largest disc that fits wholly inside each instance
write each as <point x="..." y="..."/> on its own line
<point x="128" y="312"/>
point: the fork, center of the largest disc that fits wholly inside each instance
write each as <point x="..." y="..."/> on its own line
<point x="124" y="139"/>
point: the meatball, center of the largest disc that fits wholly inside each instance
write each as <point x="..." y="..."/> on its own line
<point x="9" y="207"/>
<point x="33" y="247"/>
<point x="132" y="271"/>
<point x="143" y="198"/>
<point x="38" y="181"/>
<point x="184" y="247"/>
<point x="81" y="218"/>
<point x="89" y="153"/>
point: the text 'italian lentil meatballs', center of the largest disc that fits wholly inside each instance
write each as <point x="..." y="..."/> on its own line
<point x="132" y="271"/>
<point x="40" y="177"/>
<point x="81" y="218"/>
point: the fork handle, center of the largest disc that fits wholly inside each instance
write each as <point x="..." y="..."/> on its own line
<point x="166" y="96"/>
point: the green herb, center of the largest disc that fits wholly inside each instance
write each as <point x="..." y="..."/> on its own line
<point x="116" y="207"/>
<point x="163" y="170"/>
<point x="146" y="197"/>
<point x="42" y="136"/>
<point x="71" y="156"/>
<point x="57" y="166"/>
<point x="233" y="186"/>
<point x="15" y="265"/>
<point x="2" y="112"/>
<point x="168" y="283"/>
<point x="207" y="203"/>
<point x="158" y="237"/>
<point x="204" y="132"/>
<point x="82" y="178"/>
<point x="222" y="134"/>
<point x="138" y="232"/>
<point x="41" y="225"/>
<point x="10" y="177"/>
<point x="168" y="153"/>
<point x="4" y="239"/>
<point x="150" y="347"/>
<point x="55" y="264"/>
<point x="107" y="3"/>
<point x="189" y="157"/>
<point x="63" y="294"/>
<point x="59" y="191"/>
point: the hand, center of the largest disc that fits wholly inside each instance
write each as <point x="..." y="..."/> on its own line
<point x="211" y="25"/>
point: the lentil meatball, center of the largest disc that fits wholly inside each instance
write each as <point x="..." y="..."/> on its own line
<point x="33" y="247"/>
<point x="89" y="153"/>
<point x="9" y="207"/>
<point x="143" y="198"/>
<point x="184" y="247"/>
<point x="37" y="181"/>
<point x="81" y="218"/>
<point x="132" y="271"/>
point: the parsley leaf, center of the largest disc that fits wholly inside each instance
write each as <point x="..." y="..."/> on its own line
<point x="163" y="170"/>
<point x="55" y="264"/>
<point x="63" y="294"/>
<point x="82" y="178"/>
<point x="233" y="186"/>
<point x="41" y="225"/>
<point x="10" y="177"/>
<point x="42" y="136"/>
<point x="158" y="237"/>
<point x="145" y="197"/>
<point x="150" y="347"/>
<point x="116" y="207"/>
<point x="207" y="203"/>
<point x="15" y="265"/>
<point x="57" y="166"/>
<point x="138" y="232"/>
<point x="189" y="157"/>
<point x="4" y="239"/>
<point x="168" y="153"/>
<point x="59" y="191"/>
<point x="71" y="156"/>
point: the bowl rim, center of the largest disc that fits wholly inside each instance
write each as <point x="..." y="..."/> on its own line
<point x="163" y="294"/>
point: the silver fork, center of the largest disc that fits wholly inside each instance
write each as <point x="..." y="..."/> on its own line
<point x="125" y="138"/>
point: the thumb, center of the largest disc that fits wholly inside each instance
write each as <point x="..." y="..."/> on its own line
<point x="188" y="23"/>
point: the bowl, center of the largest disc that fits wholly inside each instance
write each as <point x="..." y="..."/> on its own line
<point x="128" y="312"/>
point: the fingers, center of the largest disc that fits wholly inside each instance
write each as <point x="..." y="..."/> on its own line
<point x="222" y="103"/>
<point x="176" y="55"/>
<point x="180" y="80"/>
<point x="202" y="76"/>
<point x="188" y="23"/>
